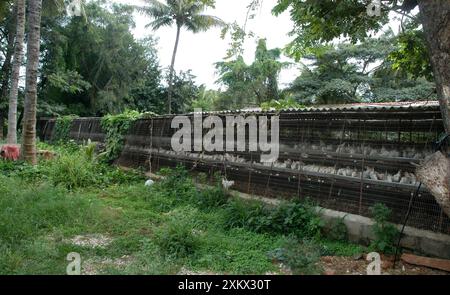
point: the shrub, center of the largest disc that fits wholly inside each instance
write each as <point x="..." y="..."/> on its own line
<point x="301" y="256"/>
<point x="299" y="218"/>
<point x="22" y="169"/>
<point x="177" y="185"/>
<point x="386" y="234"/>
<point x="73" y="171"/>
<point x="211" y="198"/>
<point x="176" y="238"/>
<point x="337" y="231"/>
<point x="245" y="214"/>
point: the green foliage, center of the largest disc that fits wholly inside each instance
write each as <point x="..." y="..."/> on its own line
<point x="411" y="54"/>
<point x="246" y="214"/>
<point x="73" y="168"/>
<point x="176" y="238"/>
<point x="339" y="248"/>
<point x="317" y="22"/>
<point x="22" y="170"/>
<point x="250" y="84"/>
<point x="177" y="184"/>
<point x="93" y="66"/>
<point x="206" y="99"/>
<point x="170" y="226"/>
<point x="26" y="212"/>
<point x="237" y="251"/>
<point x="348" y="73"/>
<point x="188" y="14"/>
<point x="405" y="71"/>
<point x="282" y="104"/>
<point x="68" y="82"/>
<point x="301" y="256"/>
<point x="184" y="92"/>
<point x="73" y="171"/>
<point x="337" y="231"/>
<point x="238" y="36"/>
<point x="211" y="198"/>
<point x="295" y="217"/>
<point x="298" y="218"/>
<point x="116" y="127"/>
<point x="89" y="151"/>
<point x="386" y="234"/>
<point x="63" y="124"/>
<point x="339" y="74"/>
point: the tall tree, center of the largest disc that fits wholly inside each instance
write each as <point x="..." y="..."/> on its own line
<point x="94" y="66"/>
<point x="17" y="62"/>
<point x="250" y="85"/>
<point x="7" y="21"/>
<point x="374" y="70"/>
<point x="33" y="51"/>
<point x="184" y="14"/>
<point x="322" y="21"/>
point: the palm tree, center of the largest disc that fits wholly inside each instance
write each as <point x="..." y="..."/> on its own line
<point x="8" y="19"/>
<point x="33" y="50"/>
<point x="17" y="62"/>
<point x="182" y="13"/>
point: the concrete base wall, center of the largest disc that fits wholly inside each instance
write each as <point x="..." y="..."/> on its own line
<point x="417" y="240"/>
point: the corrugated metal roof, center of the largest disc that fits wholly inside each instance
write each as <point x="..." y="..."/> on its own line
<point x="416" y="105"/>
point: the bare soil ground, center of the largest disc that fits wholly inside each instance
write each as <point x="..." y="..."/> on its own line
<point x="333" y="265"/>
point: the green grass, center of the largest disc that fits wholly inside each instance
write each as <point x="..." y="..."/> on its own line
<point x="157" y="230"/>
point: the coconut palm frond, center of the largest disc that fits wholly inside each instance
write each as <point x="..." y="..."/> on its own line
<point x="160" y="22"/>
<point x="154" y="9"/>
<point x="202" y="22"/>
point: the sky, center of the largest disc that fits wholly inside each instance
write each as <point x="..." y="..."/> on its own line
<point x="199" y="52"/>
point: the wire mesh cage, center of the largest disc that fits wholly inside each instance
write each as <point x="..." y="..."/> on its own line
<point x="345" y="158"/>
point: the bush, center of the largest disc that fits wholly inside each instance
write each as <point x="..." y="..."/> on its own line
<point x="211" y="198"/>
<point x="22" y="170"/>
<point x="176" y="238"/>
<point x="176" y="185"/>
<point x="73" y="171"/>
<point x="298" y="218"/>
<point x="337" y="231"/>
<point x="301" y="256"/>
<point x="386" y="234"/>
<point x="245" y="214"/>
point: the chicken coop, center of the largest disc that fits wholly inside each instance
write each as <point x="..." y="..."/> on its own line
<point x="345" y="158"/>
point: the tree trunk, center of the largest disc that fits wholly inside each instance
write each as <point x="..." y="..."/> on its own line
<point x="435" y="17"/>
<point x="2" y="124"/>
<point x="33" y="50"/>
<point x="6" y="68"/>
<point x="435" y="174"/>
<point x="18" y="57"/>
<point x="172" y="70"/>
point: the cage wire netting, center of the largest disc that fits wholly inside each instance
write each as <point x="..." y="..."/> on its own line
<point x="344" y="158"/>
